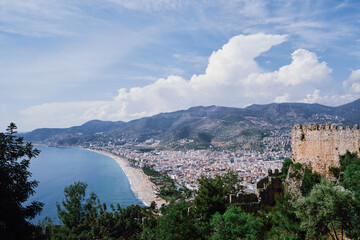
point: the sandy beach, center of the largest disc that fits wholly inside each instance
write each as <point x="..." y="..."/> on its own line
<point x="140" y="182"/>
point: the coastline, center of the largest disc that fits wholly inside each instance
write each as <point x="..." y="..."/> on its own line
<point x="140" y="183"/>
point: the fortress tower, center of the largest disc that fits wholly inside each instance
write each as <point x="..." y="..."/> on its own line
<point x="321" y="145"/>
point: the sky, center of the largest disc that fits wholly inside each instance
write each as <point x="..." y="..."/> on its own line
<point x="64" y="62"/>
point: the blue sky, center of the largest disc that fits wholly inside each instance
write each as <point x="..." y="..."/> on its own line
<point x="63" y="62"/>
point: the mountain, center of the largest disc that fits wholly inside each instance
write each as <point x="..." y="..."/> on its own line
<point x="201" y="126"/>
<point x="89" y="128"/>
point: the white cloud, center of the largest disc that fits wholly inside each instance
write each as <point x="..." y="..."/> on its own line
<point x="304" y="68"/>
<point x="149" y="5"/>
<point x="333" y="100"/>
<point x="232" y="78"/>
<point x="67" y="114"/>
<point x="54" y="49"/>
<point x="350" y="92"/>
<point x="353" y="82"/>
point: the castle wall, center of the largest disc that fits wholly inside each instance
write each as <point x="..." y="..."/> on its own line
<point x="267" y="190"/>
<point x="321" y="145"/>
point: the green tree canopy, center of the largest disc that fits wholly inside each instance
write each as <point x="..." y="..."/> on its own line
<point x="15" y="186"/>
<point x="235" y="224"/>
<point x="309" y="181"/>
<point x="325" y="211"/>
<point x="347" y="159"/>
<point x="177" y="223"/>
<point x="352" y="179"/>
<point x="352" y="182"/>
<point x="213" y="194"/>
<point x="77" y="213"/>
<point x="282" y="220"/>
<point x="86" y="218"/>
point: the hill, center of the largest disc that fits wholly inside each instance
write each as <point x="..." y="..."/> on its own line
<point x="201" y="127"/>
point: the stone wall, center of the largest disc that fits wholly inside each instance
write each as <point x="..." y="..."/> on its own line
<point x="321" y="145"/>
<point x="268" y="189"/>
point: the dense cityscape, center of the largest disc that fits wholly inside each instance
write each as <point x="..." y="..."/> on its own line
<point x="185" y="167"/>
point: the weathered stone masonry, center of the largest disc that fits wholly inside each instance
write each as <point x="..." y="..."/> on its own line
<point x="321" y="145"/>
<point x="267" y="190"/>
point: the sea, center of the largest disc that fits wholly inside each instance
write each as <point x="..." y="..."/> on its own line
<point x="58" y="167"/>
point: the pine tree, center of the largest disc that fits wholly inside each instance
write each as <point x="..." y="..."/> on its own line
<point x="15" y="187"/>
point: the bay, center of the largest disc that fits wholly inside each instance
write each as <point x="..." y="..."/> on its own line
<point x="55" y="168"/>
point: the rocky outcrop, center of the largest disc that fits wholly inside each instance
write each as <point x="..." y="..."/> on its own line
<point x="294" y="178"/>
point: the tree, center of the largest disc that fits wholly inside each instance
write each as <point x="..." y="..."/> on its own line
<point x="78" y="213"/>
<point x="232" y="182"/>
<point x="213" y="196"/>
<point x="235" y="224"/>
<point x="352" y="182"/>
<point x="282" y="221"/>
<point x="309" y="181"/>
<point x="89" y="219"/>
<point x="353" y="231"/>
<point x="213" y="193"/>
<point x="325" y="211"/>
<point x="177" y="223"/>
<point x="15" y="186"/>
<point x="124" y="222"/>
<point x="352" y="179"/>
<point x="348" y="159"/>
<point x="350" y="164"/>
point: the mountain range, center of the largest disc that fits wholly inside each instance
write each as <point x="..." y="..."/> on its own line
<point x="200" y="126"/>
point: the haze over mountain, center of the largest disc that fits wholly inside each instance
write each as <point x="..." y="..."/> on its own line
<point x="201" y="125"/>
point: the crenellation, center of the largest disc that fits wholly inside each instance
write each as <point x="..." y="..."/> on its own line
<point x="298" y="127"/>
<point x="312" y="126"/>
<point x="321" y="145"/>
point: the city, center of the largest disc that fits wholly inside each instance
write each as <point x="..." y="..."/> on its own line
<point x="185" y="167"/>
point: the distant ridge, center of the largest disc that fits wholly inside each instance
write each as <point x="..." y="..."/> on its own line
<point x="201" y="125"/>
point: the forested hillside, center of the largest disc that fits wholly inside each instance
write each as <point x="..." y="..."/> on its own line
<point x="202" y="126"/>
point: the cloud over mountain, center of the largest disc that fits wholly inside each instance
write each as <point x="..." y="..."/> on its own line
<point x="232" y="78"/>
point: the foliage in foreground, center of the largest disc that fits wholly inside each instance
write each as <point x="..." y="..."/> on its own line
<point x="15" y="187"/>
<point x="351" y="163"/>
<point x="86" y="218"/>
<point x="326" y="210"/>
<point x="236" y="224"/>
<point x="281" y="222"/>
<point x="176" y="222"/>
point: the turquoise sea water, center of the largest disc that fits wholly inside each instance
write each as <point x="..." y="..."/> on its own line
<point x="55" y="168"/>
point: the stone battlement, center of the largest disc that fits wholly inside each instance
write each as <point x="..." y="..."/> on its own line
<point x="324" y="127"/>
<point x="321" y="145"/>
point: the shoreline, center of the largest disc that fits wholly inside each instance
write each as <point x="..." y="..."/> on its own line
<point x="140" y="183"/>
